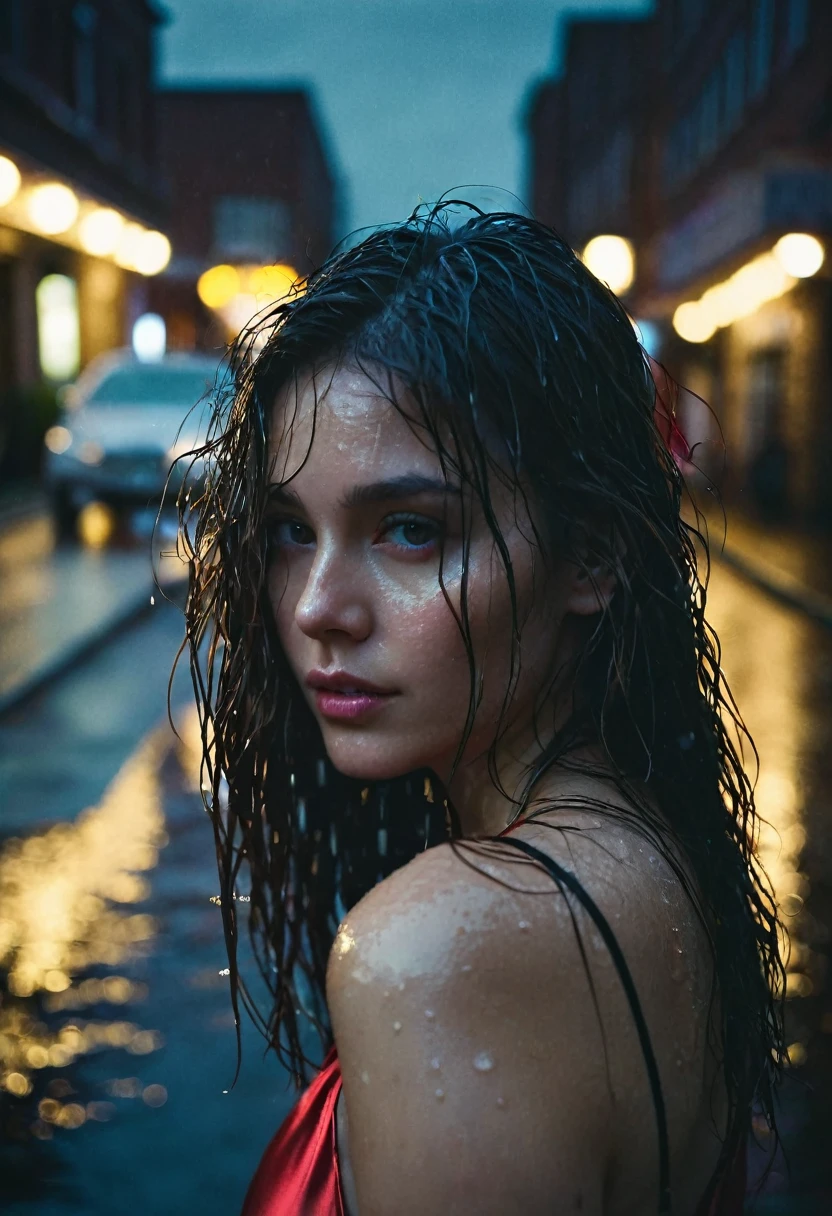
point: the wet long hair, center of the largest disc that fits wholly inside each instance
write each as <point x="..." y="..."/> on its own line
<point x="519" y="365"/>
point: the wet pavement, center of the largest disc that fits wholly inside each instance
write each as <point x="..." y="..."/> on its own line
<point x="116" y="1041"/>
<point x="56" y="600"/>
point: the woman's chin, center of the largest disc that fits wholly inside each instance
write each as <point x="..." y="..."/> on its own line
<point x="370" y="763"/>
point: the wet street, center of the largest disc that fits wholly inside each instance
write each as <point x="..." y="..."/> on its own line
<point x="116" y="1037"/>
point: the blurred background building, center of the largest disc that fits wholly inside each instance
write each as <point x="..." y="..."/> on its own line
<point x="165" y="218"/>
<point x="701" y="137"/>
<point x="82" y="205"/>
<point x="253" y="205"/>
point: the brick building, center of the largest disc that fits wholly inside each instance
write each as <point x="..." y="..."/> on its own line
<point x="592" y="145"/>
<point x="731" y="113"/>
<point x="80" y="199"/>
<point x="252" y="189"/>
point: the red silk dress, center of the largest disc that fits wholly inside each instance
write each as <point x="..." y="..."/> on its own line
<point x="299" y="1175"/>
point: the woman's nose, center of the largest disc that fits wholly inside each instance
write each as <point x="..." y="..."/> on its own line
<point x="334" y="599"/>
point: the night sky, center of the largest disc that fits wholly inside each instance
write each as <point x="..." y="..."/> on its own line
<point x="415" y="96"/>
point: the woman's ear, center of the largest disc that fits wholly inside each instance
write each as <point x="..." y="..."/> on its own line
<point x="590" y="588"/>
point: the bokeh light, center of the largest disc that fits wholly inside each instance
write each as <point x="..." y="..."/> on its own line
<point x="52" y="208"/>
<point x="612" y="260"/>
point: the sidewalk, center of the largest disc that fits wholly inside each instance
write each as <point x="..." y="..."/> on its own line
<point x="58" y="604"/>
<point x="793" y="566"/>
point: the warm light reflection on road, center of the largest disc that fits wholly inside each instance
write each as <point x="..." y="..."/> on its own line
<point x="65" y="897"/>
<point x="766" y="654"/>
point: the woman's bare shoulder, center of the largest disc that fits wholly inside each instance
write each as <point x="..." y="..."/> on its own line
<point x="474" y="1005"/>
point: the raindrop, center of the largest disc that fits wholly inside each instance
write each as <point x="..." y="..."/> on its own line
<point x="483" y="1062"/>
<point x="333" y="840"/>
<point x="382" y="842"/>
<point x="225" y="971"/>
<point x="429" y="1014"/>
<point x="501" y="1102"/>
<point x="386" y="993"/>
<point x="153" y="601"/>
<point x="467" y="967"/>
<point x="522" y="924"/>
<point x="397" y="1027"/>
<point x="321" y="768"/>
<point x="365" y="1077"/>
<point x="291" y="776"/>
<point x="401" y="986"/>
<point x="687" y="741"/>
<point x="301" y="814"/>
<point x="435" y="1064"/>
<point x="440" y="1095"/>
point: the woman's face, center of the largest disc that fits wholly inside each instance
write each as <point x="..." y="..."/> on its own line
<point x="355" y="584"/>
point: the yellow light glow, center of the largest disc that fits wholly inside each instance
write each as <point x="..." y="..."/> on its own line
<point x="152" y="253"/>
<point x="9" y="180"/>
<point x="692" y="323"/>
<point x="271" y="282"/>
<point x="52" y="208"/>
<point x="217" y="286"/>
<point x="100" y="231"/>
<point x="800" y="254"/>
<point x="612" y="260"/>
<point x="96" y="524"/>
<point x="128" y="250"/>
<point x="59" y="340"/>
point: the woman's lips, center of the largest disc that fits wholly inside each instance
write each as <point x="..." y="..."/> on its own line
<point x="349" y="705"/>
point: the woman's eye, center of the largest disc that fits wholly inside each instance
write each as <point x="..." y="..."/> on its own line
<point x="289" y="532"/>
<point x="412" y="534"/>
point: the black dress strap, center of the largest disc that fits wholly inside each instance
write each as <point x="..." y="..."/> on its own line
<point x="564" y="878"/>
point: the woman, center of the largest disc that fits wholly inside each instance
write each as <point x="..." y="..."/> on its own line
<point x="479" y="754"/>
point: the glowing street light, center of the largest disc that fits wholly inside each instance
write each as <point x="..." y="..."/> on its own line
<point x="218" y="286"/>
<point x="612" y="260"/>
<point x="52" y="208"/>
<point x="692" y="322"/>
<point x="100" y="231"/>
<point x="152" y="253"/>
<point x="9" y="180"/>
<point x="800" y="254"/>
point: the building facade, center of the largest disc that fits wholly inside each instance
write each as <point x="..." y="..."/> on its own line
<point x="253" y="205"/>
<point x="731" y="119"/>
<point x="81" y="201"/>
<point x="592" y="144"/>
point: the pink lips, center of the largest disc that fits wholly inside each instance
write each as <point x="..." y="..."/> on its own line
<point x="344" y="705"/>
<point x="341" y="696"/>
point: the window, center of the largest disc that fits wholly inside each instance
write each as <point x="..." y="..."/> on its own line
<point x="762" y="46"/>
<point x="797" y="27"/>
<point x="84" y="21"/>
<point x="733" y="98"/>
<point x="59" y="349"/>
<point x="255" y="229"/>
<point x="709" y="115"/>
<point x="11" y="28"/>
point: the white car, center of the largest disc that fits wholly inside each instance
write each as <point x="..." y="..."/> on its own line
<point x="123" y="424"/>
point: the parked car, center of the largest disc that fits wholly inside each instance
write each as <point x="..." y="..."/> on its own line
<point x="123" y="424"/>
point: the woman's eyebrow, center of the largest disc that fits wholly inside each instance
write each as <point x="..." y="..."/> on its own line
<point x="406" y="486"/>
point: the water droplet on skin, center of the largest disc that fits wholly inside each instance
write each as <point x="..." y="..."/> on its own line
<point x="429" y="1014"/>
<point x="397" y="1027"/>
<point x="483" y="1062"/>
<point x="365" y="1077"/>
<point x="440" y="1095"/>
<point x="522" y="924"/>
<point x="466" y="967"/>
<point x="435" y="1064"/>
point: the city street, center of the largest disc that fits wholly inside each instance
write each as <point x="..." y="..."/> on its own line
<point x="117" y="1021"/>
